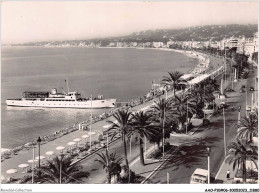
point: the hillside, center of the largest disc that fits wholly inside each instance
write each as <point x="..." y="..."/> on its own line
<point x="198" y="33"/>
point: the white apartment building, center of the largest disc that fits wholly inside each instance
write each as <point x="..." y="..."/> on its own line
<point x="157" y="44"/>
<point x="248" y="45"/>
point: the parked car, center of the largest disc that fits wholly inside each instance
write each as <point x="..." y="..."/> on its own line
<point x="251" y="88"/>
<point x="241" y="90"/>
<point x="248" y="108"/>
<point x="199" y="176"/>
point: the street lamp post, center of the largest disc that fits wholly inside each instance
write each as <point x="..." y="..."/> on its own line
<point x="90" y="127"/>
<point x="33" y="163"/>
<point x="255" y="88"/>
<point x="208" y="151"/>
<point x="239" y="114"/>
<point x="39" y="145"/>
<point x="107" y="141"/>
<point x="224" y="131"/>
<point x="187" y="118"/>
<point x="246" y="103"/>
<point x="163" y="140"/>
<point x="252" y="102"/>
<point x="163" y="129"/>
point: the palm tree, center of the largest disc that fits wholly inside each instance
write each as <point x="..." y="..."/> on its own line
<point x="248" y="127"/>
<point x="202" y="93"/>
<point x="162" y="113"/>
<point x="183" y="107"/>
<point x="174" y="81"/>
<point x="110" y="162"/>
<point x="123" y="126"/>
<point x="238" y="153"/>
<point x="61" y="170"/>
<point x="142" y="126"/>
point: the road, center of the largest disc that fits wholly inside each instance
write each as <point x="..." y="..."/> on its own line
<point x="181" y="166"/>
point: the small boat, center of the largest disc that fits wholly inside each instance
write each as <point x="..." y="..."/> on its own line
<point x="54" y="99"/>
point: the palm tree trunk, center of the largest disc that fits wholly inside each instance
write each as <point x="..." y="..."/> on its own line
<point x="108" y="178"/>
<point x="141" y="151"/>
<point x="126" y="160"/>
<point x="244" y="172"/>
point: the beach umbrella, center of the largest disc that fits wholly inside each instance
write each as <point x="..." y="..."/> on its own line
<point x="23" y="165"/>
<point x="49" y="153"/>
<point x="77" y="140"/>
<point x="85" y="136"/>
<point x="31" y="161"/>
<point x="11" y="171"/>
<point x="71" y="143"/>
<point x="40" y="157"/>
<point x="60" y="148"/>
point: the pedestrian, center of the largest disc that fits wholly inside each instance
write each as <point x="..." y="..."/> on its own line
<point x="228" y="174"/>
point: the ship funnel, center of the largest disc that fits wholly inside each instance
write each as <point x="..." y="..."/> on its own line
<point x="54" y="91"/>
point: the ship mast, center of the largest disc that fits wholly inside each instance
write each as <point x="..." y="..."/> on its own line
<point x="67" y="81"/>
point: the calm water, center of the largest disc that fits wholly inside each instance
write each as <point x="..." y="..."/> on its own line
<point x="124" y="74"/>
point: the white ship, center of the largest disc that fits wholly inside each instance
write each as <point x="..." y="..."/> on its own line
<point x="54" y="99"/>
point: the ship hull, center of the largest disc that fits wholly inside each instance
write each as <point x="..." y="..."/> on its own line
<point x="106" y="103"/>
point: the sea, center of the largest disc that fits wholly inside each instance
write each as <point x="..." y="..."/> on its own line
<point x="122" y="73"/>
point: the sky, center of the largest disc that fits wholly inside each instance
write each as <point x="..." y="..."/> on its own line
<point x="28" y="21"/>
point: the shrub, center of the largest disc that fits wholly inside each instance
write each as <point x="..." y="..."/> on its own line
<point x="134" y="178"/>
<point x="156" y="154"/>
<point x="205" y="122"/>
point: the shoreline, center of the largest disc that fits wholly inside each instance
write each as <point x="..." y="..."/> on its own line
<point x="83" y="125"/>
<point x="98" y="127"/>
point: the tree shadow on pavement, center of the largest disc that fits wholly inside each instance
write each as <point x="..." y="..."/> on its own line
<point x="218" y="181"/>
<point x="191" y="154"/>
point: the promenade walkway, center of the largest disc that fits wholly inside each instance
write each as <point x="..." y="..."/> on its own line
<point x="25" y="155"/>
